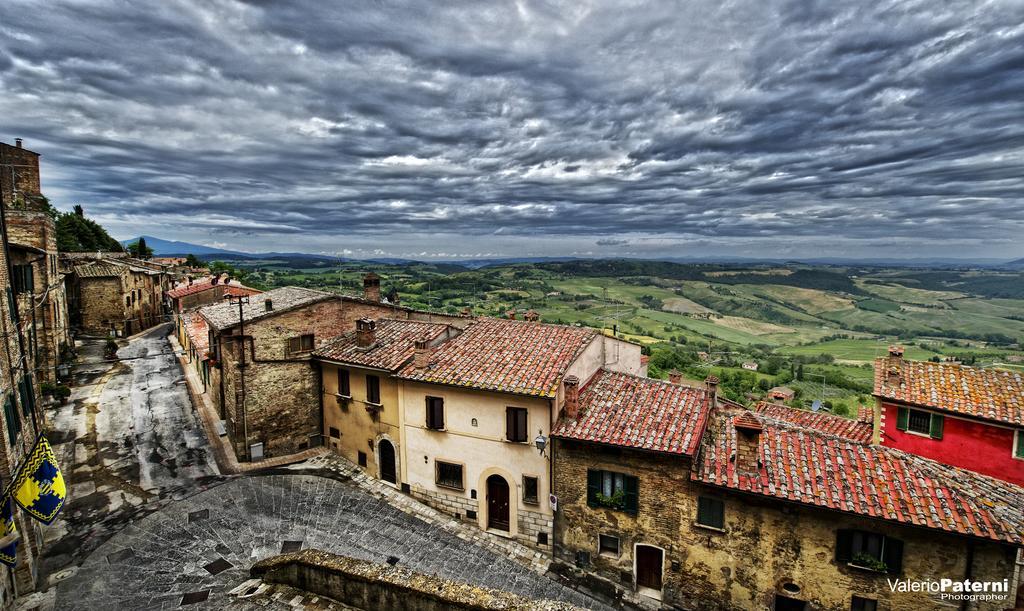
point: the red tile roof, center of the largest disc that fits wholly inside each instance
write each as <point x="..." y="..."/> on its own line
<point x="206" y="284"/>
<point x="807" y="466"/>
<point x="854" y="430"/>
<point x="626" y="410"/>
<point x="197" y="331"/>
<point x="514" y="356"/>
<point x="392" y="349"/>
<point x="990" y="394"/>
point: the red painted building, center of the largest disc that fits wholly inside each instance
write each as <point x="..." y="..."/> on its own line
<point x="962" y="416"/>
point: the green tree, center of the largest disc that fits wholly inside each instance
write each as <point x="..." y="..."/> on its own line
<point x="76" y="233"/>
<point x="139" y="250"/>
<point x="193" y="261"/>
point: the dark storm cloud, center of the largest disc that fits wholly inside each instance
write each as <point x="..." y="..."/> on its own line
<point x="554" y="126"/>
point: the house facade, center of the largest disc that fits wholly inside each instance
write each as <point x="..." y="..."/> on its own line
<point x="191" y="293"/>
<point x="118" y="296"/>
<point x="772" y="513"/>
<point x="958" y="415"/>
<point x="269" y="393"/>
<point x="474" y="408"/>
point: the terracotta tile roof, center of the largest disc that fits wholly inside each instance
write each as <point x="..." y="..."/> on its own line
<point x="197" y="331"/>
<point x="206" y="284"/>
<point x="392" y="349"/>
<point x="854" y="430"/>
<point x="224" y="315"/>
<point x="514" y="356"/>
<point x="99" y="270"/>
<point x="990" y="394"/>
<point x="807" y="466"/>
<point x="629" y="411"/>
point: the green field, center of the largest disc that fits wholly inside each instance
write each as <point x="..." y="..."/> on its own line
<point x="821" y="321"/>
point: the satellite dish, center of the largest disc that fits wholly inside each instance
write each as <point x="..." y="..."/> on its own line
<point x="816" y="406"/>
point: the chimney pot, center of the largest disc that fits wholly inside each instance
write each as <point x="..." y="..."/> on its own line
<point x="572" y="396"/>
<point x="366" y="332"/>
<point x="17" y="142"/>
<point x="421" y="353"/>
<point x="675" y="376"/>
<point x="896" y="352"/>
<point x="371" y="287"/>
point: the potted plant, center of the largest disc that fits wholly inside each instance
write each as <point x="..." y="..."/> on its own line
<point x="869" y="562"/>
<point x="111" y="348"/>
<point x="615" y="501"/>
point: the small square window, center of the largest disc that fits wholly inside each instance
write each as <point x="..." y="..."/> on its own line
<point x="530" y="486"/>
<point x="335" y="432"/>
<point x="710" y="512"/>
<point x="919" y="422"/>
<point x="542" y="538"/>
<point x="362" y="459"/>
<point x="608" y="544"/>
<point x="449" y="475"/>
<point x="863" y="604"/>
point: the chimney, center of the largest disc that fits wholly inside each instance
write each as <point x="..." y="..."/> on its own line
<point x="712" y="383"/>
<point x="421" y="353"/>
<point x="268" y="303"/>
<point x="17" y="142"/>
<point x="511" y="314"/>
<point x="675" y="376"/>
<point x="572" y="396"/>
<point x="371" y="287"/>
<point x="531" y="315"/>
<point x="366" y="332"/>
<point x="896" y="352"/>
<point x="748" y="442"/>
<point x="466" y="311"/>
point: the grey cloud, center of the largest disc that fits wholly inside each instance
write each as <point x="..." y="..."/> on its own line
<point x="257" y="124"/>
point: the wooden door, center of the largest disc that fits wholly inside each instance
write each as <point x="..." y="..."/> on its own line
<point x="497" y="503"/>
<point x="648" y="567"/>
<point x="387" y="461"/>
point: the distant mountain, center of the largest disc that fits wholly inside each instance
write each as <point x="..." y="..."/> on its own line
<point x="167" y="248"/>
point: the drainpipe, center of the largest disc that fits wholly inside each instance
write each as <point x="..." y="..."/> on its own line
<point x="968" y="570"/>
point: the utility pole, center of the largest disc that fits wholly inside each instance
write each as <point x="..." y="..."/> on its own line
<point x="241" y="300"/>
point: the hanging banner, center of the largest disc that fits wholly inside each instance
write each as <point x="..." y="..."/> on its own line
<point x="39" y="487"/>
<point x="9" y="553"/>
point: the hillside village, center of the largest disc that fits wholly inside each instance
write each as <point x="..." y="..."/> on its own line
<point x="544" y="442"/>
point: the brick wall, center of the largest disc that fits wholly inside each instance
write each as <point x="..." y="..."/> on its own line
<point x="19" y="173"/>
<point x="101" y="305"/>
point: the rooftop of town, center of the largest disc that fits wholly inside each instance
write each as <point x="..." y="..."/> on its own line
<point x="859" y="430"/>
<point x="988" y="394"/>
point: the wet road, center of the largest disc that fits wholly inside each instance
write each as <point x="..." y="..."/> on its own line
<point x="131" y="442"/>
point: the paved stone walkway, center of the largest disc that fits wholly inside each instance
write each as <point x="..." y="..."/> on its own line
<point x="201" y="548"/>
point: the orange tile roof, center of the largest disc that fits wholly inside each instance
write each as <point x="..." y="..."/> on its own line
<point x="989" y="394"/>
<point x="854" y="430"/>
<point x="197" y="331"/>
<point x="514" y="356"/>
<point x="629" y="411"/>
<point x="807" y="466"/>
<point x="392" y="349"/>
<point x="206" y="284"/>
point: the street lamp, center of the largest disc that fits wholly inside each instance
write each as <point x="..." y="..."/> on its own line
<point x="541" y="442"/>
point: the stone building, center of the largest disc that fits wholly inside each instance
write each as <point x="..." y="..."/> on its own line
<point x="774" y="512"/>
<point x="360" y="402"/>
<point x="196" y="293"/>
<point x="269" y="394"/>
<point x="23" y="417"/>
<point x="37" y="282"/>
<point x="623" y="452"/>
<point x="473" y="408"/>
<point x="115" y="295"/>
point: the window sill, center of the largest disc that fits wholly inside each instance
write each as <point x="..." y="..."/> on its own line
<point x="345" y="397"/>
<point x="866" y="569"/>
<point x="447" y="487"/>
<point x="916" y="434"/>
<point x="534" y="502"/>
<point x="518" y="443"/>
<point x="711" y="528"/>
<point x="430" y="428"/>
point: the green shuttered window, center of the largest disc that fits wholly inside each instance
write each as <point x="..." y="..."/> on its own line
<point x="613" y="490"/>
<point x="920" y="421"/>
<point x="711" y="512"/>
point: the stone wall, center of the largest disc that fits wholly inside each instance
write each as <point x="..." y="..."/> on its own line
<point x="19" y="173"/>
<point x="767" y="547"/>
<point x="371" y="586"/>
<point x="101" y="305"/>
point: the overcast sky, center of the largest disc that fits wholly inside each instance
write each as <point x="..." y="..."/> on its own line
<point x="460" y="129"/>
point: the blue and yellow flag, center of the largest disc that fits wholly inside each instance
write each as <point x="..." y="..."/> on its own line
<point x="9" y="554"/>
<point x="39" y="486"/>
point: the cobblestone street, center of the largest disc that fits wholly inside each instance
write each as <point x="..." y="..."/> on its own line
<point x="128" y="441"/>
<point x="204" y="546"/>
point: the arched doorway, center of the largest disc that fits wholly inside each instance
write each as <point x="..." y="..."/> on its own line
<point x="497" y="503"/>
<point x="387" y="461"/>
